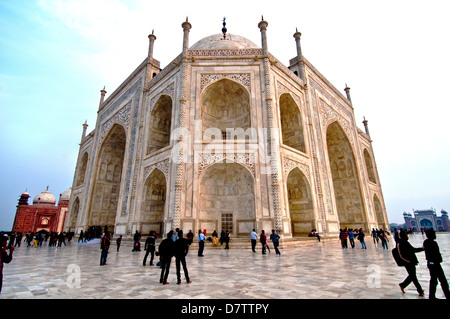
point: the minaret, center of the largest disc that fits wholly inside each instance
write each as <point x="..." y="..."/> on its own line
<point x="347" y="91"/>
<point x="297" y="36"/>
<point x="151" y="38"/>
<point x="102" y="97"/>
<point x="85" y="125"/>
<point x="152" y="64"/>
<point x="186" y="27"/>
<point x="263" y="28"/>
<point x="273" y="138"/>
<point x="366" y="127"/>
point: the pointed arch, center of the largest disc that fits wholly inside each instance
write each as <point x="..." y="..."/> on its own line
<point x="160" y="124"/>
<point x="291" y="123"/>
<point x="153" y="205"/>
<point x="300" y="201"/>
<point x="107" y="178"/>
<point x="379" y="211"/>
<point x="369" y="166"/>
<point x="225" y="105"/>
<point x="347" y="190"/>
<point x="72" y="222"/>
<point x="227" y="199"/>
<point x="82" y="170"/>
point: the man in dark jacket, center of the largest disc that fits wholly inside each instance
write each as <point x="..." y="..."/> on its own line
<point x="5" y="258"/>
<point x="105" y="242"/>
<point x="181" y="250"/>
<point x="434" y="259"/>
<point x="166" y="252"/>
<point x="408" y="254"/>
<point x="150" y="247"/>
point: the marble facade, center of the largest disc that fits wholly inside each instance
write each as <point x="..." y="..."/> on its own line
<point x="226" y="137"/>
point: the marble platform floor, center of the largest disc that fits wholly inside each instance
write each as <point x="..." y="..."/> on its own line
<point x="319" y="270"/>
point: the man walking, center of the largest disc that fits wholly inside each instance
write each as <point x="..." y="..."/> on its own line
<point x="253" y="238"/>
<point x="276" y="241"/>
<point x="434" y="260"/>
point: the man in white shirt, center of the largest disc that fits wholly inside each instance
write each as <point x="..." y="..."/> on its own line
<point x="201" y="243"/>
<point x="253" y="237"/>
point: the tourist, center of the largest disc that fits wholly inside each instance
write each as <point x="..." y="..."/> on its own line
<point x="190" y="237"/>
<point x="351" y="238"/>
<point x="253" y="237"/>
<point x="149" y="247"/>
<point x="4" y="257"/>
<point x="136" y="243"/>
<point x="384" y="239"/>
<point x="81" y="236"/>
<point x="343" y="236"/>
<point x="227" y="239"/>
<point x="181" y="250"/>
<point x="166" y="252"/>
<point x="201" y="243"/>
<point x="276" y="241"/>
<point x="396" y="236"/>
<point x="408" y="253"/>
<point x="215" y="238"/>
<point x="263" y="240"/>
<point x="104" y="246"/>
<point x="361" y="236"/>
<point x="374" y="236"/>
<point x="18" y="239"/>
<point x="434" y="259"/>
<point x="118" y="242"/>
<point x="222" y="237"/>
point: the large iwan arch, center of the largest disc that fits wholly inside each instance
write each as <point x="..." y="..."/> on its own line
<point x="153" y="203"/>
<point x="225" y="105"/>
<point x="106" y="193"/>
<point x="300" y="203"/>
<point x="347" y="191"/>
<point x="227" y="199"/>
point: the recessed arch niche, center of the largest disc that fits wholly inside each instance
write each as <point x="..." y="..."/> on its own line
<point x="153" y="203"/>
<point x="160" y="124"/>
<point x="291" y="123"/>
<point x="300" y="203"/>
<point x="225" y="105"/>
<point x="227" y="199"/>
<point x="72" y="222"/>
<point x="82" y="170"/>
<point x="106" y="192"/>
<point x="346" y="186"/>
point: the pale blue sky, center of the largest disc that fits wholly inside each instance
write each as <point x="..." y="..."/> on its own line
<point x="55" y="57"/>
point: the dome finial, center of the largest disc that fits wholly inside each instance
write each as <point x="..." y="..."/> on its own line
<point x="224" y="29"/>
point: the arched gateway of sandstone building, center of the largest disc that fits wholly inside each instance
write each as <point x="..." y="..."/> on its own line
<point x="226" y="137"/>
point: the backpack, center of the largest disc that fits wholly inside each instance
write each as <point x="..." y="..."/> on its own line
<point x="398" y="259"/>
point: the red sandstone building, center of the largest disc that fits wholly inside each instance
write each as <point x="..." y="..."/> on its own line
<point x="43" y="214"/>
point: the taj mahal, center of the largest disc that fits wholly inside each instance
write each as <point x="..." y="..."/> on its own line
<point x="226" y="137"/>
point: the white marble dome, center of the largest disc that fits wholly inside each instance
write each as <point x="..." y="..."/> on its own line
<point x="44" y="198"/>
<point x="217" y="42"/>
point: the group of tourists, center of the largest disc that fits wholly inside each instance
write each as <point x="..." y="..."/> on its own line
<point x="348" y="235"/>
<point x="176" y="245"/>
<point x="405" y="256"/>
<point x="36" y="239"/>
